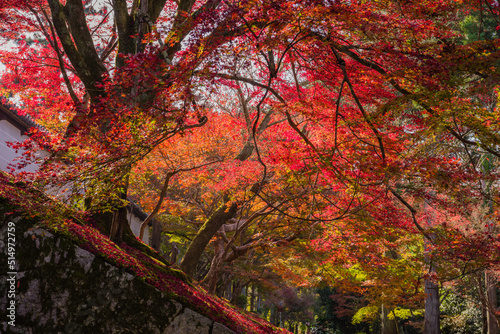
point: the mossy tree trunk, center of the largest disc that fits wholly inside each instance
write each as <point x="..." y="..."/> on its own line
<point x="206" y="232"/>
<point x="156" y="235"/>
<point x="210" y="280"/>
<point x="70" y="23"/>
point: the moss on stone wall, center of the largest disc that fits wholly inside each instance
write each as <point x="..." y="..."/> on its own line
<point x="72" y="279"/>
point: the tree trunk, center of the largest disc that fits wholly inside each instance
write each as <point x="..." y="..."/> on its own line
<point x="156" y="237"/>
<point x="119" y="221"/>
<point x="490" y="280"/>
<point x="252" y="299"/>
<point x="237" y="291"/>
<point x="491" y="299"/>
<point x="70" y="24"/>
<point x="273" y="318"/>
<point x="484" y="314"/>
<point x="388" y="326"/>
<point x="431" y="317"/>
<point x="118" y="224"/>
<point x="210" y="281"/>
<point x="484" y="308"/>
<point x="173" y="253"/>
<point x="202" y="238"/>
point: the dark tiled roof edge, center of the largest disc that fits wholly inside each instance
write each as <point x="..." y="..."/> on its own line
<point x="24" y="123"/>
<point x="137" y="211"/>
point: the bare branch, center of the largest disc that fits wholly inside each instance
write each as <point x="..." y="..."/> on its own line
<point x="413" y="214"/>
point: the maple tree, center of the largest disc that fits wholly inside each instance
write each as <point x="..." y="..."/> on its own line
<point x="356" y="124"/>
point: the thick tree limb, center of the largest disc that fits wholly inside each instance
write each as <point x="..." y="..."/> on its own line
<point x="76" y="21"/>
<point x="60" y="19"/>
<point x="202" y="238"/>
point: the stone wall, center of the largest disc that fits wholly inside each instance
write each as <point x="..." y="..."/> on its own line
<point x="62" y="288"/>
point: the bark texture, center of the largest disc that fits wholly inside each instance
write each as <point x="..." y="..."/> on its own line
<point x="202" y="238"/>
<point x="388" y="326"/>
<point x="431" y="319"/>
<point x="491" y="299"/>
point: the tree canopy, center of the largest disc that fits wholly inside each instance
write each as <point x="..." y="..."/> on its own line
<point x="348" y="142"/>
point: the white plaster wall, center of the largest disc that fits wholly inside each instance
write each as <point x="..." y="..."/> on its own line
<point x="9" y="133"/>
<point x="135" y="226"/>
